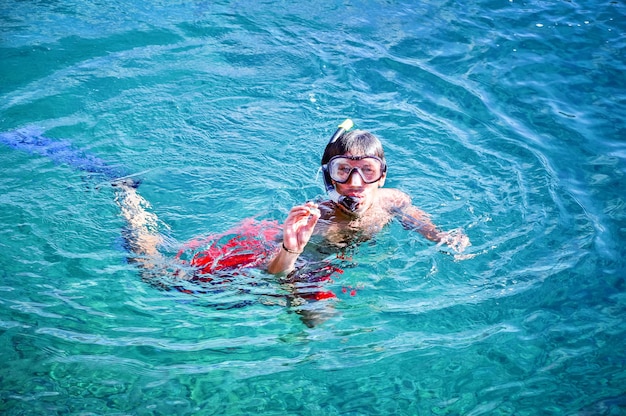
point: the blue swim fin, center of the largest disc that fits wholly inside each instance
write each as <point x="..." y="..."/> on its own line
<point x="32" y="141"/>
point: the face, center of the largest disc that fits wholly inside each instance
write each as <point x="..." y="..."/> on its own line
<point x="369" y="168"/>
<point x="355" y="175"/>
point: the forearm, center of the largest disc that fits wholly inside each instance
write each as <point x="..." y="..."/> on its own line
<point x="416" y="220"/>
<point x="419" y="222"/>
<point x="283" y="262"/>
<point x="430" y="231"/>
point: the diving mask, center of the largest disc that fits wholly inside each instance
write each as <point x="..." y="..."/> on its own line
<point x="340" y="168"/>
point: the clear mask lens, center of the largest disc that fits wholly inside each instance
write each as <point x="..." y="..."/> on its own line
<point x="340" y="168"/>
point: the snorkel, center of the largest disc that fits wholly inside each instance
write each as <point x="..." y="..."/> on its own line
<point x="350" y="203"/>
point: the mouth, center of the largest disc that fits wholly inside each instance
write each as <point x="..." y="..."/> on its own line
<point x="350" y="202"/>
<point x="354" y="193"/>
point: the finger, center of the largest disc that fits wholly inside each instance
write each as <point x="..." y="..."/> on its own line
<point x="313" y="220"/>
<point x="297" y="213"/>
<point x="315" y="212"/>
<point x="303" y="211"/>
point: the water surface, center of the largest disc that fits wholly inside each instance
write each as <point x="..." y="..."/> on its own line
<point x="503" y="118"/>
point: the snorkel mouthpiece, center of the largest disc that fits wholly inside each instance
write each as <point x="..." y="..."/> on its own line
<point x="351" y="203"/>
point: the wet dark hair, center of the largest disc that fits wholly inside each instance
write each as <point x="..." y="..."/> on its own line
<point x="356" y="142"/>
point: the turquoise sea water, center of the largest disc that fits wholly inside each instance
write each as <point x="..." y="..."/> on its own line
<point x="504" y="118"/>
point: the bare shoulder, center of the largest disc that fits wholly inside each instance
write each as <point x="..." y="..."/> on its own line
<point x="392" y="198"/>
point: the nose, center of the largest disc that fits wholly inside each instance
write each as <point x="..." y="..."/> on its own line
<point x="355" y="178"/>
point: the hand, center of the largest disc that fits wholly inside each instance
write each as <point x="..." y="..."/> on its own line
<point x="299" y="226"/>
<point x="455" y="239"/>
<point x="297" y="231"/>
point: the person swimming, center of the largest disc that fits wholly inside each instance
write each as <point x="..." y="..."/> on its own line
<point x="358" y="207"/>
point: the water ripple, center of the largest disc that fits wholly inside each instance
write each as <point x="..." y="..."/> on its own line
<point x="503" y="118"/>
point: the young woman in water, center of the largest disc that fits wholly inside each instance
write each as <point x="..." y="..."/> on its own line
<point x="355" y="170"/>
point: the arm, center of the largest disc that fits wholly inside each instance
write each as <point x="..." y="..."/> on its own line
<point x="297" y="231"/>
<point x="415" y="219"/>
